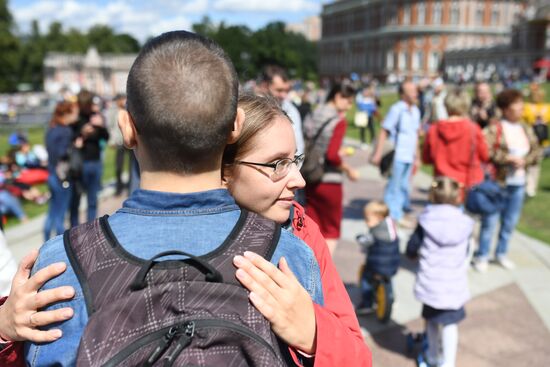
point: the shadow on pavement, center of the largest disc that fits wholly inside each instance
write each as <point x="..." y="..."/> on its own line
<point x="354" y="210"/>
<point x="391" y="337"/>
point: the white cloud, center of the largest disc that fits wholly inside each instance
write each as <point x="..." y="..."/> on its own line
<point x="123" y="15"/>
<point x="266" y="5"/>
<point x="183" y="7"/>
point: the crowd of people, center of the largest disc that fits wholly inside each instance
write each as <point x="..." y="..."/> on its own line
<point x="206" y="161"/>
<point x="470" y="142"/>
<point x="183" y="204"/>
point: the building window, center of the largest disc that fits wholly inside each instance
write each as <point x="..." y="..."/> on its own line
<point x="419" y="41"/>
<point x="436" y="40"/>
<point x="390" y="15"/>
<point x="389" y="60"/>
<point x="393" y="15"/>
<point x="437" y="12"/>
<point x="495" y="17"/>
<point x="480" y="12"/>
<point x="406" y="14"/>
<point x="420" y="13"/>
<point x="402" y="61"/>
<point x="418" y="61"/>
<point x="433" y="62"/>
<point x="455" y="13"/>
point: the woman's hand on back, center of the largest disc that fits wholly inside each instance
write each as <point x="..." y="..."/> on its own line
<point x="19" y="316"/>
<point x="278" y="295"/>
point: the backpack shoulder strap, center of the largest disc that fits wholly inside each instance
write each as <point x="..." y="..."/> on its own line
<point x="321" y="129"/>
<point x="87" y="248"/>
<point x="252" y="233"/>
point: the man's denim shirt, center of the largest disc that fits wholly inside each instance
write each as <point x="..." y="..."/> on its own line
<point x="151" y="222"/>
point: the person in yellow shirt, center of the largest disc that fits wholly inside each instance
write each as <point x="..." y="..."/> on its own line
<point x="537" y="114"/>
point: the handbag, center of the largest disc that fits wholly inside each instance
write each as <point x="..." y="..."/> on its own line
<point x="388" y="152"/>
<point x="488" y="197"/>
<point x="485" y="198"/>
<point x="361" y="119"/>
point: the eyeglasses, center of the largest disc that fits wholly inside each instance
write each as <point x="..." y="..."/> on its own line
<point x="281" y="168"/>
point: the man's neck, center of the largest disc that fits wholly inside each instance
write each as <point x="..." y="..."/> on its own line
<point x="180" y="184"/>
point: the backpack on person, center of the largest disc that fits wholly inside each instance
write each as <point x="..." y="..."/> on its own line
<point x="314" y="167"/>
<point x="176" y="312"/>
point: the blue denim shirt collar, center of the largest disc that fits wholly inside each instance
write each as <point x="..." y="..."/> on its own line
<point x="196" y="203"/>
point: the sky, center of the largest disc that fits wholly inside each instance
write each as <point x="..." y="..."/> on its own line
<point x="145" y="18"/>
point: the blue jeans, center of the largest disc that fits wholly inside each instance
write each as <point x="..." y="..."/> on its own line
<point x="509" y="217"/>
<point x="58" y="206"/>
<point x="91" y="184"/>
<point x="396" y="195"/>
<point x="9" y="204"/>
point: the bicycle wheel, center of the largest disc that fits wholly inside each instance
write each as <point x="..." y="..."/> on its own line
<point x="384" y="302"/>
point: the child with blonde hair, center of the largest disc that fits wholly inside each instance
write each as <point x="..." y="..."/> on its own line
<point x="440" y="242"/>
<point x="381" y="245"/>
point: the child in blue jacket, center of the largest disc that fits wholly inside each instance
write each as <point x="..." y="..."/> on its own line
<point x="381" y="245"/>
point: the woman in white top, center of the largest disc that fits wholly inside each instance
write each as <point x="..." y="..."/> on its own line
<point x="512" y="148"/>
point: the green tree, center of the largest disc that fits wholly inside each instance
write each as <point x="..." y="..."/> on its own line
<point x="205" y="27"/>
<point x="106" y="40"/>
<point x="76" y="42"/>
<point x="272" y="44"/>
<point x="55" y="39"/>
<point x="9" y="51"/>
<point x="32" y="57"/>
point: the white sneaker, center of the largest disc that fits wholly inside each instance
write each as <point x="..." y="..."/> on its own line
<point x="505" y="263"/>
<point x="480" y="265"/>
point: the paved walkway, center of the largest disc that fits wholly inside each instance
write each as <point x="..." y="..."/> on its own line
<point x="508" y="319"/>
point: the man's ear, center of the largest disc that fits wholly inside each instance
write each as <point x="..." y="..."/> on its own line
<point x="128" y="129"/>
<point x="237" y="127"/>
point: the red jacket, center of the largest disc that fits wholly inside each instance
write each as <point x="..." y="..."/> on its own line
<point x="448" y="146"/>
<point x="12" y="354"/>
<point x="339" y="338"/>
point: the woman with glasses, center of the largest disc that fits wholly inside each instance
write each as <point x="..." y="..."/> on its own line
<point x="324" y="200"/>
<point x="261" y="169"/>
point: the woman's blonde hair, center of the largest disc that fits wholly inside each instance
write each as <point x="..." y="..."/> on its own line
<point x="260" y="112"/>
<point x="444" y="190"/>
<point x="458" y="103"/>
<point x="378" y="208"/>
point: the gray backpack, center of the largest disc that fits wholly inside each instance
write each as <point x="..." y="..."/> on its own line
<point x="189" y="312"/>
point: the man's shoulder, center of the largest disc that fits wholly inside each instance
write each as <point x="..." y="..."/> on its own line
<point x="291" y="110"/>
<point x="52" y="251"/>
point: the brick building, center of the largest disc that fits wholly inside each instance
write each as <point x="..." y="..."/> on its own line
<point x="529" y="43"/>
<point x="408" y="37"/>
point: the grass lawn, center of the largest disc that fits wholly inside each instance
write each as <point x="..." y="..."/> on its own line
<point x="36" y="136"/>
<point x="535" y="218"/>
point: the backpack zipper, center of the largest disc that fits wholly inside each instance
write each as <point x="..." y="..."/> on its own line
<point x="183" y="333"/>
<point x="167" y="335"/>
<point x="222" y="324"/>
